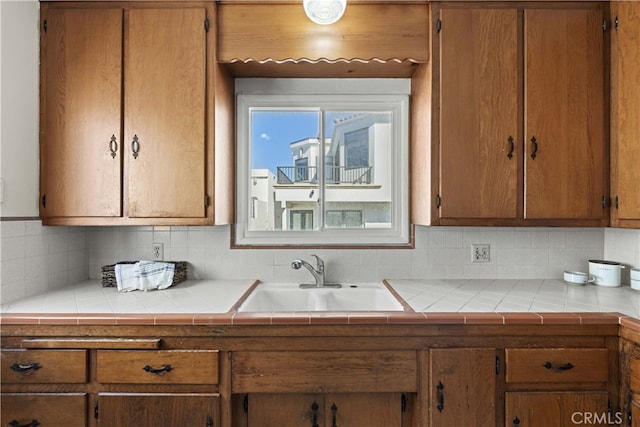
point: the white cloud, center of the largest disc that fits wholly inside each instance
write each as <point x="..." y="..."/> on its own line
<point x="265" y="136"/>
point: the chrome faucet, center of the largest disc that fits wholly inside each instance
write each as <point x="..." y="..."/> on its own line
<point x="317" y="272"/>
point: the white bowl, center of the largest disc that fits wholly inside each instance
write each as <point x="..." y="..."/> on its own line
<point x="577" y="278"/>
<point x="635" y="273"/>
<point x="635" y="284"/>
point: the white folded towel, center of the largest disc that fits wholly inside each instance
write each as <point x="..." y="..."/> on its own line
<point x="144" y="276"/>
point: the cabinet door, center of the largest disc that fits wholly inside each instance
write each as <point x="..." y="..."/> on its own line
<point x="46" y="409"/>
<point x="363" y="409"/>
<point x="154" y="410"/>
<point x="462" y="387"/>
<point x="81" y="112"/>
<point x="328" y="410"/>
<point x="164" y="78"/>
<point x="283" y="409"/>
<point x="564" y="114"/>
<point x="479" y="114"/>
<point x="557" y="409"/>
<point x="626" y="110"/>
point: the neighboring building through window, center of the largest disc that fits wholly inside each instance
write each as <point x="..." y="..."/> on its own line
<point x="328" y="162"/>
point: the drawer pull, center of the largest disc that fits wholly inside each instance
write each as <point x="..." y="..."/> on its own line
<point x="440" y="388"/>
<point x="25" y="368"/>
<point x="557" y="368"/>
<point x="158" y="371"/>
<point x="33" y="423"/>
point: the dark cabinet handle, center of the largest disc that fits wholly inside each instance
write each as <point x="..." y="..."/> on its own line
<point x="512" y="147"/>
<point x="135" y="146"/>
<point x="314" y="414"/>
<point x="33" y="423"/>
<point x="440" y="388"/>
<point x="113" y="146"/>
<point x="516" y="421"/>
<point x="158" y="371"/>
<point x="557" y="368"/>
<point x="209" y="422"/>
<point x="534" y="153"/>
<point x="334" y="414"/>
<point x="25" y="368"/>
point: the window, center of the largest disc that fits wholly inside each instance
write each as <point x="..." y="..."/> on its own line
<point x="336" y="155"/>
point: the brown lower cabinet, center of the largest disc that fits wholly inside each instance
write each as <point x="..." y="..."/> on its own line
<point x="320" y="376"/>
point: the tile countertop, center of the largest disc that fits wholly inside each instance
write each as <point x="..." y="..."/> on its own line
<point x="202" y="302"/>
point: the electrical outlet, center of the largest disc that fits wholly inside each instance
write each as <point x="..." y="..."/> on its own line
<point x="157" y="252"/>
<point x="480" y="253"/>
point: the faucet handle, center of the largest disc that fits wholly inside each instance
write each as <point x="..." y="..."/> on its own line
<point x="319" y="262"/>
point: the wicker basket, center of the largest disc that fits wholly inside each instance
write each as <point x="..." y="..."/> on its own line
<point x="109" y="273"/>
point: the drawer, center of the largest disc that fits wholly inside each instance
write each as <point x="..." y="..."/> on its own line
<point x="22" y="409"/>
<point x="43" y="366"/>
<point x="158" y="367"/>
<point x="557" y="365"/>
<point x="324" y="371"/>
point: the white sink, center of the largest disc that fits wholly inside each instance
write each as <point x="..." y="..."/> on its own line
<point x="268" y="297"/>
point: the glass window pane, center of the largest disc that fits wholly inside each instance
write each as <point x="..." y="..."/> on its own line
<point x="284" y="156"/>
<point x="359" y="169"/>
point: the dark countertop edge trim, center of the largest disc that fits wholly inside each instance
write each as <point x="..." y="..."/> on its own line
<point x="324" y="318"/>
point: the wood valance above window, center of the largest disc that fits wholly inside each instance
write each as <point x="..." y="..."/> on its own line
<point x="371" y="40"/>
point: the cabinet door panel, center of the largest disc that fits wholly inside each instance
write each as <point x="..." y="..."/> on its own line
<point x="564" y="112"/>
<point x="557" y="409"/>
<point x="154" y="410"/>
<point x="479" y="112"/>
<point x="165" y="62"/>
<point x="626" y="120"/>
<point x="463" y="387"/>
<point x="81" y="111"/>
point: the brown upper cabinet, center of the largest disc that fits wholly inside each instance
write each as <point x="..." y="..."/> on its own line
<point x="126" y="118"/>
<point x="518" y="134"/>
<point x="625" y="114"/>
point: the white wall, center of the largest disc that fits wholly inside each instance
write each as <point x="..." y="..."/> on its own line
<point x="19" y="40"/>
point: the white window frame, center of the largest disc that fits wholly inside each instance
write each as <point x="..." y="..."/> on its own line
<point x="339" y="94"/>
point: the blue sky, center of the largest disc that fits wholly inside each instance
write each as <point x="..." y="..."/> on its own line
<point x="273" y="131"/>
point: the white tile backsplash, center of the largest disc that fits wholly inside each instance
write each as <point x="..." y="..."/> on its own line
<point x="36" y="258"/>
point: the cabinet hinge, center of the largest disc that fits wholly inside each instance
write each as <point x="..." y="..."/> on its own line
<point x="497" y="365"/>
<point x="615" y="23"/>
<point x="604" y="202"/>
<point x="438" y="201"/>
<point x="604" y="25"/>
<point x="403" y="403"/>
<point x="95" y="410"/>
<point x="206" y="24"/>
<point x="45" y="25"/>
<point x="245" y="404"/>
<point x="207" y="200"/>
<point x="44" y="200"/>
<point x="615" y="203"/>
<point x="438" y="25"/>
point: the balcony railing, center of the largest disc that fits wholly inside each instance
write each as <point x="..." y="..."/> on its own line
<point x="332" y="175"/>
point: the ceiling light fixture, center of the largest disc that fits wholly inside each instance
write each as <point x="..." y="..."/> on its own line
<point x="324" y="12"/>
